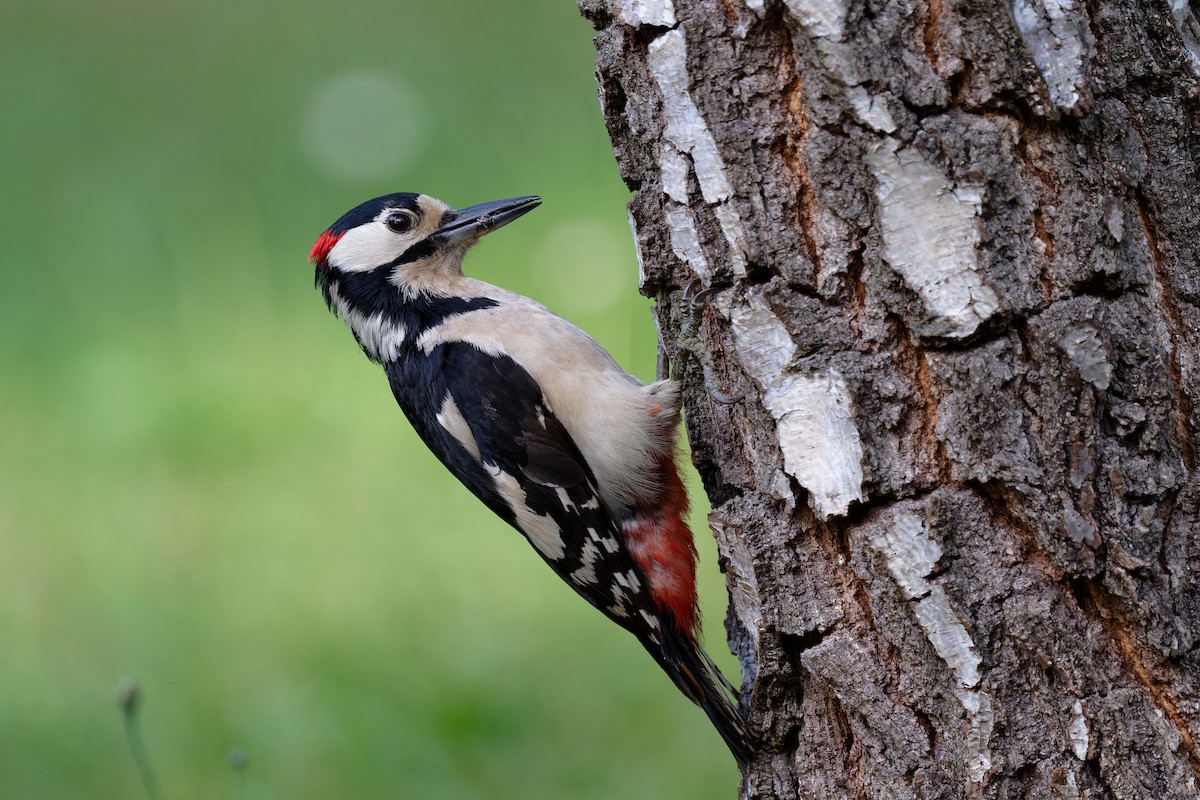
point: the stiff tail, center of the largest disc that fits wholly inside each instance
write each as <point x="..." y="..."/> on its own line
<point x="698" y="678"/>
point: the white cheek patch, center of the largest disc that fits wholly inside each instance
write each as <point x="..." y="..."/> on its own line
<point x="368" y="246"/>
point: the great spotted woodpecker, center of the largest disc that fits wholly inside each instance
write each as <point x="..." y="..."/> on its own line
<point x="534" y="417"/>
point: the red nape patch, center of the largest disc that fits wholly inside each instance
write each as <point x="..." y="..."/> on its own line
<point x="661" y="543"/>
<point x="320" y="250"/>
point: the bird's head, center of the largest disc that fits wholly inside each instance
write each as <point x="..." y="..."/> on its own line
<point x="410" y="241"/>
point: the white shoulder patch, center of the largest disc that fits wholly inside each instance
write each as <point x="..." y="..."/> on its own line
<point x="456" y="425"/>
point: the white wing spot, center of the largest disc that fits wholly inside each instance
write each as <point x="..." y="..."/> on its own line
<point x="587" y="573"/>
<point x="634" y="583"/>
<point x="651" y="620"/>
<point x="542" y="531"/>
<point x="564" y="498"/>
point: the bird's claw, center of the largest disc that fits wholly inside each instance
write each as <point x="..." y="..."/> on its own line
<point x="724" y="398"/>
<point x="687" y="343"/>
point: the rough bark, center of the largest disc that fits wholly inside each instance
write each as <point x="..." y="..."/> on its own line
<point x="943" y="391"/>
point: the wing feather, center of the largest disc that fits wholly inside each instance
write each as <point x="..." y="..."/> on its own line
<point x="530" y="471"/>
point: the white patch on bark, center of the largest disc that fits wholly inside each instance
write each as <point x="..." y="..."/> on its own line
<point x="1053" y="32"/>
<point x="820" y="442"/>
<point x="687" y="132"/>
<point x="1069" y="790"/>
<point x="739" y="571"/>
<point x="1088" y="354"/>
<point x="1114" y="219"/>
<point x="660" y="13"/>
<point x="930" y="235"/>
<point x="814" y="416"/>
<point x="1078" y="732"/>
<point x="1079" y="528"/>
<point x="685" y="242"/>
<point x="685" y="238"/>
<point x="1189" y="31"/>
<point x="637" y="248"/>
<point x="762" y="340"/>
<point x="825" y="19"/>
<point x="910" y="554"/>
<point x="674" y="169"/>
<point x="979" y="753"/>
<point x="911" y="557"/>
<point x="872" y="111"/>
<point x="949" y="637"/>
<point x="781" y="489"/>
<point x="825" y="22"/>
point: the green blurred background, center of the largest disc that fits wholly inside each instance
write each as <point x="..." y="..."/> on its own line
<point x="204" y="485"/>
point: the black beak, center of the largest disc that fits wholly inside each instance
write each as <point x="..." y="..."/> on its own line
<point x="469" y="223"/>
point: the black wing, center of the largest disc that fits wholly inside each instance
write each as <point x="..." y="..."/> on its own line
<point x="521" y="462"/>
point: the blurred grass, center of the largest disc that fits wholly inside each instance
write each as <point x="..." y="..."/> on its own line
<point x="202" y="482"/>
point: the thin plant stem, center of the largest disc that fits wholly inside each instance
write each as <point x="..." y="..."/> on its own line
<point x="129" y="698"/>
<point x="238" y="760"/>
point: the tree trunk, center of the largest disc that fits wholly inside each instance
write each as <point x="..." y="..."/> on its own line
<point x="942" y="387"/>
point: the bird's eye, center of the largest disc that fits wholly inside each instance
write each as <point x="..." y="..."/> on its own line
<point x="400" y="221"/>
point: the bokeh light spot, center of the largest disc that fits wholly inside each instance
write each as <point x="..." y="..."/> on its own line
<point x="364" y="124"/>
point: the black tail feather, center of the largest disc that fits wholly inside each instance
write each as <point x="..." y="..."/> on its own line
<point x="701" y="682"/>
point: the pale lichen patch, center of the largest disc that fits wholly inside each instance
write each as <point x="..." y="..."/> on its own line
<point x="1083" y="346"/>
<point x="1189" y="31"/>
<point x="739" y="571"/>
<point x="1078" y="731"/>
<point x="685" y="242"/>
<point x="979" y="753"/>
<point x="821" y="446"/>
<point x="930" y="235"/>
<point x="911" y="556"/>
<point x="659" y="13"/>
<point x="686" y="132"/>
<point x="1053" y="32"/>
<point x="948" y="635"/>
<point x="1069" y="790"/>
<point x="763" y="341"/>
<point x="825" y="19"/>
<point x="871" y="109"/>
<point x="813" y="414"/>
<point x="825" y="22"/>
